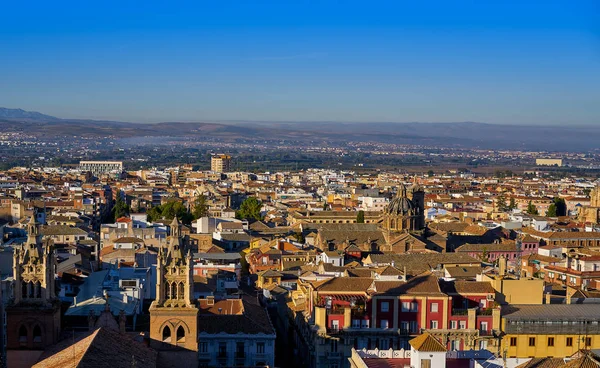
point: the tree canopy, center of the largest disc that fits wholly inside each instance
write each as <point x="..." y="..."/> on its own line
<point x="120" y="208"/>
<point x="360" y="217"/>
<point x="200" y="207"/>
<point x="249" y="209"/>
<point x="168" y="211"/>
<point x="532" y="209"/>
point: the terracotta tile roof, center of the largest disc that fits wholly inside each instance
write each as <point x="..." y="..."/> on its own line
<point x="425" y="283"/>
<point x="345" y="284"/>
<point x="253" y="319"/>
<point x="102" y="348"/>
<point x="427" y="343"/>
<point x="543" y="363"/>
<point x="493" y="247"/>
<point x="467" y="287"/>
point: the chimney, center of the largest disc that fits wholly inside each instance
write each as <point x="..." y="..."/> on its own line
<point x="502" y="266"/>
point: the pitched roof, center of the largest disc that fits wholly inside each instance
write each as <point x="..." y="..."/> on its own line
<point x="425" y="283"/>
<point x="101" y="348"/>
<point x="249" y="318"/>
<point x="346" y="284"/>
<point x="543" y="363"/>
<point x="467" y="287"/>
<point x="427" y="343"/>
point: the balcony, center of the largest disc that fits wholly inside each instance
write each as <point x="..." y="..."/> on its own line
<point x="485" y="312"/>
<point x="486" y="333"/>
<point x="460" y="312"/>
<point x="335" y="330"/>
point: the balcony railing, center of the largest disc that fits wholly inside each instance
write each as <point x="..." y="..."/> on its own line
<point x="486" y="333"/>
<point x="460" y="312"/>
<point x="335" y="330"/>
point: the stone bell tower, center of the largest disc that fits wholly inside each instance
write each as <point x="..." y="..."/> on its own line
<point x="33" y="312"/>
<point x="173" y="314"/>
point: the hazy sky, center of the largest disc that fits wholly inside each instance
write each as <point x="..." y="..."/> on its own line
<point x="533" y="62"/>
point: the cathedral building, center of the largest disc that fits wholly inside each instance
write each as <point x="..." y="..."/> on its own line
<point x="33" y="313"/>
<point x="173" y="314"/>
<point x="591" y="213"/>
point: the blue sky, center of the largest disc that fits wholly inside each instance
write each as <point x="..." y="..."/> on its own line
<point x="509" y="62"/>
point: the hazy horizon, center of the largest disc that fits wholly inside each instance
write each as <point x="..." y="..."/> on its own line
<point x="500" y="62"/>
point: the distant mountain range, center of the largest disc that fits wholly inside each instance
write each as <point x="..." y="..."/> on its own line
<point x="466" y="134"/>
<point x="26" y="115"/>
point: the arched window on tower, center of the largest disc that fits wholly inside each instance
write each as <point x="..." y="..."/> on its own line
<point x="38" y="289"/>
<point x="173" y="290"/>
<point x="180" y="291"/>
<point x="37" y="334"/>
<point x="24" y="289"/>
<point x="23" y="336"/>
<point x="180" y="335"/>
<point x="166" y="334"/>
<point x="31" y="289"/>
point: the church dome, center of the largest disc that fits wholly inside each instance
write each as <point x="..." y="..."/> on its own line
<point x="400" y="204"/>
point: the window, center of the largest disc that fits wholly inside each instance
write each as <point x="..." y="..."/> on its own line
<point x="180" y="335"/>
<point x="414" y="306"/>
<point x="588" y="341"/>
<point x="462" y="324"/>
<point x="483" y="326"/>
<point x="404" y="326"/>
<point x="222" y="350"/>
<point x="203" y="347"/>
<point x="384" y="344"/>
<point x="405" y="306"/>
<point x="239" y="349"/>
<point x="454" y="345"/>
<point x="569" y="341"/>
<point x="166" y="335"/>
<point x="513" y="341"/>
<point x="23" y="335"/>
<point x="483" y="344"/>
<point x="532" y="341"/>
<point x="433" y="325"/>
<point x="551" y="341"/>
<point x="260" y="348"/>
<point x="453" y="325"/>
<point x="384" y="323"/>
<point x="434" y="307"/>
<point x="385" y="306"/>
<point x="414" y="326"/>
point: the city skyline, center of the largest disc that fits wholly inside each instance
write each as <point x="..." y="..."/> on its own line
<point x="501" y="63"/>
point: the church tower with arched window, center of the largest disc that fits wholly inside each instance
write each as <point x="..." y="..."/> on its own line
<point x="173" y="314"/>
<point x="33" y="312"/>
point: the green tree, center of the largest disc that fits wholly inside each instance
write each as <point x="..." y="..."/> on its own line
<point x="430" y="173"/>
<point x="249" y="209"/>
<point x="551" y="210"/>
<point x="561" y="206"/>
<point x="512" y="205"/>
<point x="532" y="209"/>
<point x="485" y="255"/>
<point x="200" y="207"/>
<point x="360" y="217"/>
<point x="120" y="208"/>
<point x="325" y="206"/>
<point x="501" y="203"/>
<point x="168" y="211"/>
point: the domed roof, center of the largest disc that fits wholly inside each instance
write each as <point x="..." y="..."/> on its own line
<point x="400" y="204"/>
